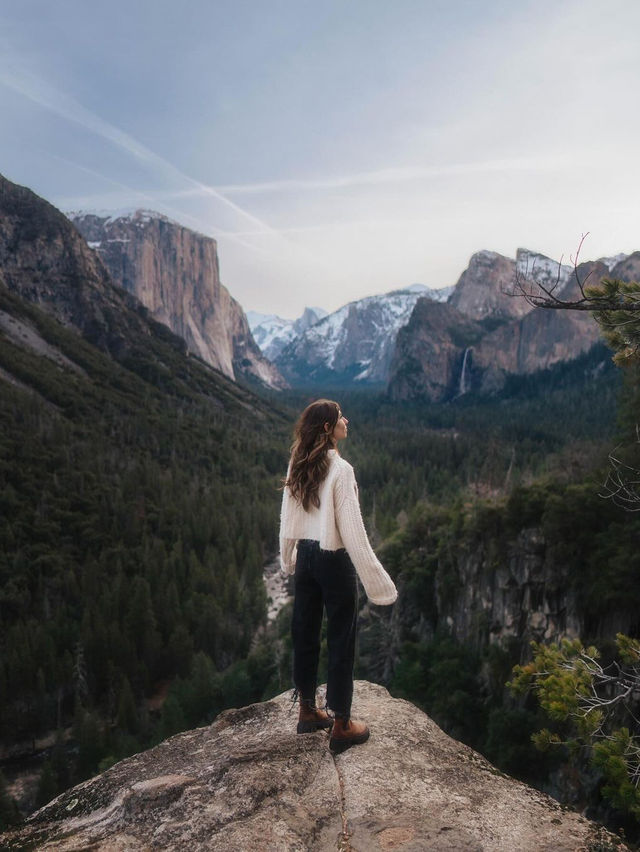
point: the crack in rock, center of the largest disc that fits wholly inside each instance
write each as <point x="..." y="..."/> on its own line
<point x="344" y="838"/>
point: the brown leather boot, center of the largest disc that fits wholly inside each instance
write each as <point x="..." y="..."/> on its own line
<point x="311" y="718"/>
<point x="347" y="732"/>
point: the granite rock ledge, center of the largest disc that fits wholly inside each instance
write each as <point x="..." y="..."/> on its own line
<point x="248" y="782"/>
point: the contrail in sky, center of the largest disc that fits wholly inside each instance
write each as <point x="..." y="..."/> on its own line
<point x="40" y="92"/>
<point x="395" y="175"/>
<point x="152" y="200"/>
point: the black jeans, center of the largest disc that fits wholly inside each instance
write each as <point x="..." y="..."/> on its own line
<point x="325" y="578"/>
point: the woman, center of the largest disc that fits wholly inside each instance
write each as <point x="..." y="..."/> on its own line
<point x="323" y="539"/>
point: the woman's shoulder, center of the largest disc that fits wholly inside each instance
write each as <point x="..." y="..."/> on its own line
<point x="339" y="465"/>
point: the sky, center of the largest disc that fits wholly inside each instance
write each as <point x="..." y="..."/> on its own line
<point x="335" y="148"/>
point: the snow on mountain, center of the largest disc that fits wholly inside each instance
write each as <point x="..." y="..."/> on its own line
<point x="136" y="215"/>
<point x="441" y="294"/>
<point x="542" y="270"/>
<point x="354" y="343"/>
<point x="610" y="262"/>
<point x="272" y="333"/>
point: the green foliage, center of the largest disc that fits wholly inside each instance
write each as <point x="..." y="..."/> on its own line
<point x="48" y="785"/>
<point x="9" y="813"/>
<point x="620" y="327"/>
<point x="441" y="677"/>
<point x="562" y="677"/>
<point x="617" y="758"/>
<point x="589" y="701"/>
<point x="138" y="502"/>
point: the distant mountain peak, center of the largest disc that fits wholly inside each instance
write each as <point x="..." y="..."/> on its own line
<point x="352" y="344"/>
<point x="272" y="332"/>
<point x="174" y="272"/>
<point x="139" y="215"/>
<point x="614" y="260"/>
<point x="540" y="269"/>
<point x="480" y="290"/>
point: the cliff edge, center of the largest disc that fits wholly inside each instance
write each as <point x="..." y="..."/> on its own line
<point x="248" y="782"/>
<point x="175" y="273"/>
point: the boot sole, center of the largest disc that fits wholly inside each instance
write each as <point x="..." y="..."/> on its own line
<point x="312" y="727"/>
<point x="338" y="746"/>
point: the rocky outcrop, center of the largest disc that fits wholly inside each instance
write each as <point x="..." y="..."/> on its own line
<point x="437" y="358"/>
<point x="480" y="291"/>
<point x="429" y="354"/>
<point x="44" y="260"/>
<point x="249" y="782"/>
<point x="174" y="272"/>
<point x="627" y="269"/>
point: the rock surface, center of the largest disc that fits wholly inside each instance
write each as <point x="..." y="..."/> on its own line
<point x="174" y="272"/>
<point x="353" y="345"/>
<point x="429" y="352"/>
<point x="627" y="269"/>
<point x="248" y="782"/>
<point x="480" y="291"/>
<point x="440" y="355"/>
<point x="44" y="260"/>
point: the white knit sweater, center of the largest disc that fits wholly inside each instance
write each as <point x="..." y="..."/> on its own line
<point x="337" y="523"/>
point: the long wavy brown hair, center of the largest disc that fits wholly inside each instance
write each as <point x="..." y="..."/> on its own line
<point x="309" y="459"/>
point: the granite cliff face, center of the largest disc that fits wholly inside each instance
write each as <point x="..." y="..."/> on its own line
<point x="538" y="340"/>
<point x="509" y="336"/>
<point x="174" y="272"/>
<point x="480" y="291"/>
<point x="43" y="259"/>
<point x="524" y="596"/>
<point x="430" y="350"/>
<point x="249" y="782"/>
<point x="628" y="268"/>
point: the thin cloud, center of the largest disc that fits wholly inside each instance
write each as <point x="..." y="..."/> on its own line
<point x="396" y="175"/>
<point x="45" y="95"/>
<point x="78" y="204"/>
<point x="345" y="225"/>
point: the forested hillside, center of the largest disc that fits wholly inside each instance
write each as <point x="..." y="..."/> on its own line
<point x="138" y="502"/>
<point x="515" y="544"/>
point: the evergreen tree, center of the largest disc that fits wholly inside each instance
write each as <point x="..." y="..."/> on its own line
<point x="48" y="785"/>
<point x="9" y="813"/>
<point x="172" y="718"/>
<point x="127" y="717"/>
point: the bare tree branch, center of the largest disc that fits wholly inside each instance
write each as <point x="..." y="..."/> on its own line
<point x="538" y="296"/>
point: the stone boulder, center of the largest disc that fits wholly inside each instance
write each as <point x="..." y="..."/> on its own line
<point x="248" y="782"/>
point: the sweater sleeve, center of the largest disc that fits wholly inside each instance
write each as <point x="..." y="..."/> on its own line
<point x="378" y="585"/>
<point x="287" y="544"/>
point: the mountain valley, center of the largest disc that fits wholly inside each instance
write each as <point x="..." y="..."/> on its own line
<point x="139" y="494"/>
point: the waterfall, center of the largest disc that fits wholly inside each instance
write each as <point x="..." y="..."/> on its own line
<point x="463" y="386"/>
